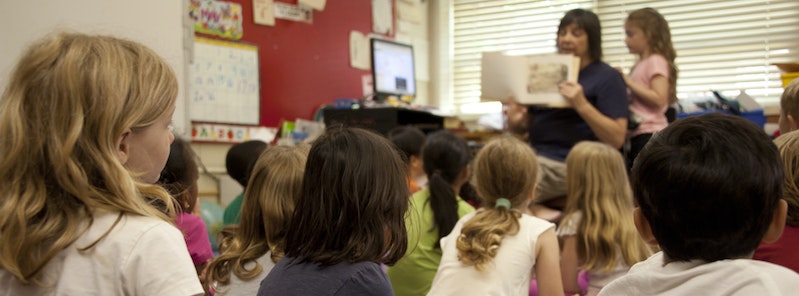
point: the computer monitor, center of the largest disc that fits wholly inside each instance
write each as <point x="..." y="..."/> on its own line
<point x="392" y="69"/>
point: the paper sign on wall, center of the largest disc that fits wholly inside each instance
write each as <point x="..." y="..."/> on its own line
<point x="359" y="51"/>
<point x="293" y="12"/>
<point x="218" y="18"/>
<point x="382" y="17"/>
<point x="263" y="12"/>
<point x="315" y="4"/>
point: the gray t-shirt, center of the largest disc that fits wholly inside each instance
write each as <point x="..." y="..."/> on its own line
<point x="289" y="277"/>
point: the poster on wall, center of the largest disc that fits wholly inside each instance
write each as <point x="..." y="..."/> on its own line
<point x="224" y="85"/>
<point x="218" y="18"/>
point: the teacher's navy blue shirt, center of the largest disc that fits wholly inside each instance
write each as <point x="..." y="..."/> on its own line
<point x="553" y="131"/>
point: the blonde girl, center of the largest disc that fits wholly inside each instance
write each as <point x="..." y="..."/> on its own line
<point x="597" y="233"/>
<point x="652" y="83"/>
<point x="249" y="250"/>
<point x="498" y="249"/>
<point x="86" y="131"/>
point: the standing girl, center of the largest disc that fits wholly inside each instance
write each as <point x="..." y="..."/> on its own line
<point x="652" y="83"/>
<point x="498" y="249"/>
<point x="597" y="233"/>
<point x="348" y="219"/>
<point x="250" y="249"/>
<point x="434" y="211"/>
<point x="86" y="131"/>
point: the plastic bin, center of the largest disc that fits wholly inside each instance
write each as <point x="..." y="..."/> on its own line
<point x="788" y="77"/>
<point x="755" y="116"/>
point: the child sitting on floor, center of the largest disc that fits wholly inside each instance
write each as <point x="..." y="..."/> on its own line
<point x="708" y="190"/>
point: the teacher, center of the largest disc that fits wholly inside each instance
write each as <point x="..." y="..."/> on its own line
<point x="598" y="106"/>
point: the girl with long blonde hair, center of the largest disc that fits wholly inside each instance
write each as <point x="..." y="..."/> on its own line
<point x="86" y="126"/>
<point x="597" y="233"/>
<point x="249" y="250"/>
<point x="499" y="248"/>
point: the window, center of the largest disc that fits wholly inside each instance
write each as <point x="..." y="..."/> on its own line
<point x="721" y="45"/>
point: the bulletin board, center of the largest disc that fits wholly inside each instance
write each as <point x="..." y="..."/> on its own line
<point x="224" y="82"/>
<point x="303" y="66"/>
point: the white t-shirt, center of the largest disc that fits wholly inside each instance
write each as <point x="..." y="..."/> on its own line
<point x="508" y="274"/>
<point x="725" y="277"/>
<point x="140" y="256"/>
<point x="239" y="287"/>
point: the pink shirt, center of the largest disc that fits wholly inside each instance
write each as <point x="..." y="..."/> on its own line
<point x="653" y="119"/>
<point x="783" y="251"/>
<point x="196" y="235"/>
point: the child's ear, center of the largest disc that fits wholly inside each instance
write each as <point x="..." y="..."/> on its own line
<point x="416" y="162"/>
<point x="792" y="123"/>
<point x="777" y="223"/>
<point x="466" y="173"/>
<point x="123" y="148"/>
<point x="642" y="224"/>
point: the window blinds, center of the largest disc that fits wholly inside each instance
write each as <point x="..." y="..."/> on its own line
<point x="721" y="45"/>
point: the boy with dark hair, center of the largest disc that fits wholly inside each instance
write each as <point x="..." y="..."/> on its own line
<point x="239" y="162"/>
<point x="708" y="192"/>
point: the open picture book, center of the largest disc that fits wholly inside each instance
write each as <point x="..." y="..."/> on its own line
<point x="530" y="80"/>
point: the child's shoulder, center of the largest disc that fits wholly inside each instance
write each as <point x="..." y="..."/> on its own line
<point x="654" y="59"/>
<point x="724" y="277"/>
<point x="129" y="231"/>
<point x="534" y="226"/>
<point x="533" y="221"/>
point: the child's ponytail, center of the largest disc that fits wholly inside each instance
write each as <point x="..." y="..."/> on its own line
<point x="481" y="237"/>
<point x="505" y="172"/>
<point x="445" y="156"/>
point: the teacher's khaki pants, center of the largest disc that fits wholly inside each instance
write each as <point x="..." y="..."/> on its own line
<point x="552" y="180"/>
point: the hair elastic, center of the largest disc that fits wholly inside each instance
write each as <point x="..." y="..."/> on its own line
<point x="502" y="203"/>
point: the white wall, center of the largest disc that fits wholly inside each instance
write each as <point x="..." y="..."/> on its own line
<point x="155" y="23"/>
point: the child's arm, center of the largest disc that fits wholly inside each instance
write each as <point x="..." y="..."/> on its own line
<point x="569" y="263"/>
<point x="547" y="268"/>
<point x="657" y="96"/>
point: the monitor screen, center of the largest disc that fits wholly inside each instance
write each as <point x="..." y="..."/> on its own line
<point x="392" y="69"/>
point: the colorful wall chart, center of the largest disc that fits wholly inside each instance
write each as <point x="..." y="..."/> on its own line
<point x="218" y="18"/>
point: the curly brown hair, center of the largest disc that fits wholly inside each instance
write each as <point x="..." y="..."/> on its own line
<point x="656" y="29"/>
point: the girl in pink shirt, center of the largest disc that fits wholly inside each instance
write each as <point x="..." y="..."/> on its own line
<point x="651" y="85"/>
<point x="179" y="177"/>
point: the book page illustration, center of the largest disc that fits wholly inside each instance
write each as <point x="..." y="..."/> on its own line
<point x="531" y="80"/>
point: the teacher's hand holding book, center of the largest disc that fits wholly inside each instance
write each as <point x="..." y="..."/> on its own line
<point x="573" y="93"/>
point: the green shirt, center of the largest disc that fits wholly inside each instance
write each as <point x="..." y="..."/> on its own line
<point x="413" y="274"/>
<point x="233" y="211"/>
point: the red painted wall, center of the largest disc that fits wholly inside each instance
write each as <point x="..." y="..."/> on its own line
<point x="303" y="66"/>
